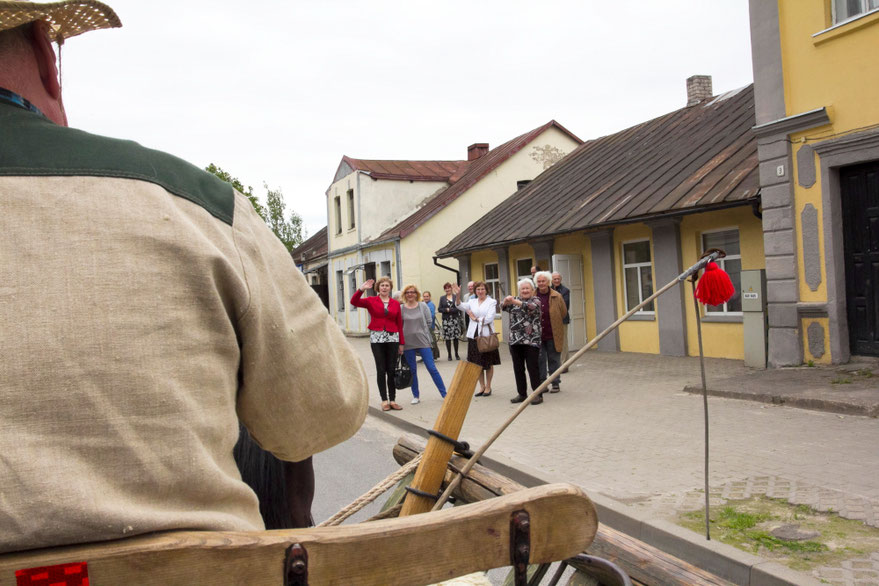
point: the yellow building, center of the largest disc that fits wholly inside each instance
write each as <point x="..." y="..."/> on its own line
<point x="388" y="217"/>
<point x="817" y="113"/>
<point x="625" y="214"/>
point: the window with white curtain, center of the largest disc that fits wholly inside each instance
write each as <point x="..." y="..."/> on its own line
<point x="846" y="9"/>
<point x="637" y="275"/>
<point x="727" y="241"/>
<point x="492" y="279"/>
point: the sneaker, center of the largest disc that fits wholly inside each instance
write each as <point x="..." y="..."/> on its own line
<point x="517" y="399"/>
<point x="554" y="389"/>
<point x="415" y="401"/>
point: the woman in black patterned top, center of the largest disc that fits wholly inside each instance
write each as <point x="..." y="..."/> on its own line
<point x="524" y="341"/>
<point x="451" y="320"/>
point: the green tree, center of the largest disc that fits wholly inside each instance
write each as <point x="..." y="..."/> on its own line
<point x="289" y="231"/>
<point x="227" y="177"/>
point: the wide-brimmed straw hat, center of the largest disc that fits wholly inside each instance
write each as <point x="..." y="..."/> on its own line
<point x="66" y="19"/>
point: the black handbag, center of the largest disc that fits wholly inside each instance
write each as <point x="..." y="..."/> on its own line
<point x="402" y="374"/>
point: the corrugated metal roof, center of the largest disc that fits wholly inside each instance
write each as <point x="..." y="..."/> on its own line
<point x="407" y="170"/>
<point x="313" y="248"/>
<point x="692" y="159"/>
<point x="467" y="178"/>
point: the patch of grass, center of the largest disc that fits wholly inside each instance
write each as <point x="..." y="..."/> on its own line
<point x="841" y="380"/>
<point x="865" y="372"/>
<point x="747" y="524"/>
<point x="810" y="363"/>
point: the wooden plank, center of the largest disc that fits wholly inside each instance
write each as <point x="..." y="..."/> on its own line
<point x="449" y="421"/>
<point x="420" y="549"/>
<point x="641" y="561"/>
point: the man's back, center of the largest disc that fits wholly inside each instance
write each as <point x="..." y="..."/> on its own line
<point x="142" y="304"/>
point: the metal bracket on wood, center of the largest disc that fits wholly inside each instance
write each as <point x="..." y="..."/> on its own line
<point x="520" y="546"/>
<point x="296" y="566"/>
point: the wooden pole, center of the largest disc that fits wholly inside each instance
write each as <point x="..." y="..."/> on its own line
<point x="430" y="473"/>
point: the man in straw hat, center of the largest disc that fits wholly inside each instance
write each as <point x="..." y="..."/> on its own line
<point x="144" y="308"/>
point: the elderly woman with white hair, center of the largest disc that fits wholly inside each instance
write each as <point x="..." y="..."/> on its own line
<point x="524" y="342"/>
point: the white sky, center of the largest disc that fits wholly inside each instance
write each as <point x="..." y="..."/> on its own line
<point x="279" y="91"/>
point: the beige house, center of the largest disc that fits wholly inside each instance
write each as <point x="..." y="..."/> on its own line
<point x="387" y="217"/>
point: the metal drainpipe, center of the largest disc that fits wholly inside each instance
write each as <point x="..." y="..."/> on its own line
<point x="398" y="252"/>
<point x="456" y="271"/>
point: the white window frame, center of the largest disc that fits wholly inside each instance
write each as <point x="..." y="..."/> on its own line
<point x="340" y="290"/>
<point x="497" y="281"/>
<point x="528" y="274"/>
<point x="352" y="284"/>
<point x="637" y="266"/>
<point x="721" y="262"/>
<point x="867" y="6"/>
<point x="337" y="204"/>
<point x="352" y="223"/>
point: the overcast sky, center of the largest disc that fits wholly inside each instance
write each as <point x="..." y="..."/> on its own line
<point x="279" y="91"/>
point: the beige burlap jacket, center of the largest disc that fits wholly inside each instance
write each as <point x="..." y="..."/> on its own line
<point x="144" y="308"/>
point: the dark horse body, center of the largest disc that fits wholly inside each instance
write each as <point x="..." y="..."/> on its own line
<point x="285" y="489"/>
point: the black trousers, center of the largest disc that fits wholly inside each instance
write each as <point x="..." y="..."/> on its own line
<point x="525" y="356"/>
<point x="385" y="364"/>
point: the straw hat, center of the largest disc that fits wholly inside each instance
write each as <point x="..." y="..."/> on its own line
<point x="66" y="19"/>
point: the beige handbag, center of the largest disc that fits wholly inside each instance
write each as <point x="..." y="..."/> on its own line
<point x="487" y="343"/>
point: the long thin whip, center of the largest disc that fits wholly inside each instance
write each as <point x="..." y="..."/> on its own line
<point x="458" y="477"/>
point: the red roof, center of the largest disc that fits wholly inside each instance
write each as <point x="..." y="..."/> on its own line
<point x="404" y="170"/>
<point x="470" y="173"/>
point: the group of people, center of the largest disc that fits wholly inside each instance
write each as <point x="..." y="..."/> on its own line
<point x="537" y="334"/>
<point x="398" y="329"/>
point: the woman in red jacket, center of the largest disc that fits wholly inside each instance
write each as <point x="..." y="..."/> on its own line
<point x="385" y="335"/>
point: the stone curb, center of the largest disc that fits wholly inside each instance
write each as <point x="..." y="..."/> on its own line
<point x="721" y="559"/>
<point x="810" y="403"/>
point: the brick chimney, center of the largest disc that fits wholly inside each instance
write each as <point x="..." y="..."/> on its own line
<point x="476" y="150"/>
<point x="698" y="89"/>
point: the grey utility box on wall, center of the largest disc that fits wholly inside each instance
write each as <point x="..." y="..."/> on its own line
<point x="754" y="317"/>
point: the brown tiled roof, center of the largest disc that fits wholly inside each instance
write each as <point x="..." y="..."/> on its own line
<point x="470" y="174"/>
<point x="406" y="170"/>
<point x="312" y="249"/>
<point x="693" y="159"/>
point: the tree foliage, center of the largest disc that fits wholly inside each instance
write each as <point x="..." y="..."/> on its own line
<point x="289" y="231"/>
<point x="227" y="177"/>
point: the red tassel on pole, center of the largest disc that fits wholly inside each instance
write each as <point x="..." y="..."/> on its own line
<point x="715" y="286"/>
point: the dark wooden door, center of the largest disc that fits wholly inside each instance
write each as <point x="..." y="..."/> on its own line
<point x="859" y="186"/>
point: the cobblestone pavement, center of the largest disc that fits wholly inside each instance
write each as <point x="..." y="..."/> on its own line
<point x="622" y="427"/>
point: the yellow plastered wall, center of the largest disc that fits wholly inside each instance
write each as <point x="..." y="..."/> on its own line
<point x="825" y="324"/>
<point x="478" y="260"/>
<point x="833" y="67"/>
<point x="579" y="244"/>
<point x="803" y="197"/>
<point x="635" y="336"/>
<point x="836" y="68"/>
<point x="719" y="339"/>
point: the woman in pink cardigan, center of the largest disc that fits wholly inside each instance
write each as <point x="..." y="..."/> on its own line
<point x="385" y="335"/>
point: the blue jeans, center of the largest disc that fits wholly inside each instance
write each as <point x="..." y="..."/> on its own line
<point x="548" y="354"/>
<point x="427" y="357"/>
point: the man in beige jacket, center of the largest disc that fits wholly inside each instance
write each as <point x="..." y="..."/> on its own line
<point x="553" y="311"/>
<point x="144" y="309"/>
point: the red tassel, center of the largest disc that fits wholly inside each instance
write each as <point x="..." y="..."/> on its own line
<point x="714" y="287"/>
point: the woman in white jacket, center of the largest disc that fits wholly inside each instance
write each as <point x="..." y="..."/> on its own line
<point x="481" y="309"/>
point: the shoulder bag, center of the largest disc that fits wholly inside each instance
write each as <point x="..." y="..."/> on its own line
<point x="402" y="374"/>
<point x="487" y="343"/>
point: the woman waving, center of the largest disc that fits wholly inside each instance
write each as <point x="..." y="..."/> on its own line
<point x="481" y="309"/>
<point x="385" y="335"/>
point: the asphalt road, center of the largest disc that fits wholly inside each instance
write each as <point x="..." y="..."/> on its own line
<point x="345" y="472"/>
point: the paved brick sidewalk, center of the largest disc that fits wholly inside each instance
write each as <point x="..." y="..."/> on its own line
<point x="623" y="427"/>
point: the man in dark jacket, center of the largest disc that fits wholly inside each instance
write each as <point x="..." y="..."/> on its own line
<point x="566" y="295"/>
